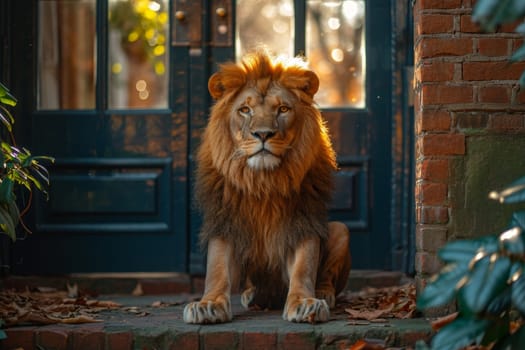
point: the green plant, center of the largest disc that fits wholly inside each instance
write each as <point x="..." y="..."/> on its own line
<point x="17" y="167"/>
<point x="486" y="279"/>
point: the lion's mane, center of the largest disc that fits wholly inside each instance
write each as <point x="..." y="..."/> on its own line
<point x="264" y="213"/>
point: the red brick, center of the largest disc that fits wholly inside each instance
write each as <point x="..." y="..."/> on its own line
<point x="259" y="340"/>
<point x="433" y="170"/>
<point x="499" y="70"/>
<point x="52" y="339"/>
<point x="434" y="120"/>
<point x="431" y="193"/>
<point x="220" y="340"/>
<point x="439" y="47"/>
<point x="88" y="340"/>
<point x="435" y="71"/>
<point x="431" y="215"/>
<point x="440" y="4"/>
<point x="471" y="120"/>
<point x="434" y="23"/>
<point x="509" y="27"/>
<point x="493" y="47"/>
<point x="296" y="341"/>
<point x="19" y="338"/>
<point x="439" y="94"/>
<point x="187" y="340"/>
<point x="507" y="122"/>
<point x="430" y="238"/>
<point x="494" y="94"/>
<point x="442" y="144"/>
<point x="467" y="26"/>
<point x="427" y="263"/>
<point x="120" y="341"/>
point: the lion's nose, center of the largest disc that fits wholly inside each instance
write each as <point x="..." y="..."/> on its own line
<point x="263" y="135"/>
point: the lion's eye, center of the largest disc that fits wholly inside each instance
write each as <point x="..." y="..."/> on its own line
<point x="244" y="110"/>
<point x="284" y="109"/>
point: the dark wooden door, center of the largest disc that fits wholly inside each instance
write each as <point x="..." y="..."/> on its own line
<point x="117" y="92"/>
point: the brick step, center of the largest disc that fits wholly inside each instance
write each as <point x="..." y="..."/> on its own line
<point x="151" y="327"/>
<point x="169" y="283"/>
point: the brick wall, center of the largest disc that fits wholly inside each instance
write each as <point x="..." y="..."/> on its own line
<point x="465" y="90"/>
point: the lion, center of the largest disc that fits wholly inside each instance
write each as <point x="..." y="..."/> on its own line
<point x="263" y="183"/>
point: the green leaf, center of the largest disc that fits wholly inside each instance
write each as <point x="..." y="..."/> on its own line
<point x="462" y="251"/>
<point x="2" y="335"/>
<point x="6" y="118"/>
<point x="512" y="241"/>
<point x="520" y="28"/>
<point x="443" y="287"/>
<point x="518" y="287"/>
<point x="487" y="279"/>
<point x="518" y="219"/>
<point x="497" y="329"/>
<point x="483" y="9"/>
<point x="514" y="193"/>
<point x="5" y="97"/>
<point x="519" y="54"/>
<point x="6" y="191"/>
<point x="491" y="13"/>
<point x="460" y="333"/>
<point x="6" y="223"/>
<point x="500" y="303"/>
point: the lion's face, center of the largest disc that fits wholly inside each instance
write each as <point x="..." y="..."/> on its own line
<point x="262" y="125"/>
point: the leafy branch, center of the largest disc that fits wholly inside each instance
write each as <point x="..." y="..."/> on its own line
<point x="17" y="167"/>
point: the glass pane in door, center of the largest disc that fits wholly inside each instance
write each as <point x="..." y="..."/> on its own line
<point x="66" y="54"/>
<point x="268" y="23"/>
<point x="138" y="54"/>
<point x="335" y="48"/>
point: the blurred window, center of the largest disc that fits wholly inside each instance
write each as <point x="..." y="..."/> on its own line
<point x="335" y="48"/>
<point x="335" y="42"/>
<point x="268" y="23"/>
<point x="137" y="66"/>
<point x="66" y="54"/>
<point x="138" y="54"/>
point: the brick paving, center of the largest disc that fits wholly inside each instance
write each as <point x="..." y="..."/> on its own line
<point x="141" y="324"/>
<point x="151" y="327"/>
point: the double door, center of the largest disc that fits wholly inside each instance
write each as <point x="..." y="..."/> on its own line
<point x="116" y="91"/>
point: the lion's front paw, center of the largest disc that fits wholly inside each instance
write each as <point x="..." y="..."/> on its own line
<point x="306" y="310"/>
<point x="327" y="294"/>
<point x="203" y="312"/>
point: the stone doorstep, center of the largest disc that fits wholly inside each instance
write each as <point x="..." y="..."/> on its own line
<point x="163" y="328"/>
<point x="169" y="283"/>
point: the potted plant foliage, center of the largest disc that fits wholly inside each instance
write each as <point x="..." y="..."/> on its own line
<point x="18" y="169"/>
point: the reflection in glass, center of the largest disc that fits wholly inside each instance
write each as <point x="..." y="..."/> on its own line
<point x="138" y="54"/>
<point x="267" y="23"/>
<point x="335" y="49"/>
<point x="66" y="54"/>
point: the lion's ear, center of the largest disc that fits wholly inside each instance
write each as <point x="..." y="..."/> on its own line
<point x="311" y="83"/>
<point x="215" y="86"/>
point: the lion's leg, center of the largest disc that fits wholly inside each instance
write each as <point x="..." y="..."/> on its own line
<point x="335" y="263"/>
<point x="214" y="307"/>
<point x="301" y="305"/>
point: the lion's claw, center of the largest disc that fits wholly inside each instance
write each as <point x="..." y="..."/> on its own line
<point x="307" y="310"/>
<point x="202" y="312"/>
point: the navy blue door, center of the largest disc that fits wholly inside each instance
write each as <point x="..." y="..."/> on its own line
<point x="117" y="92"/>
